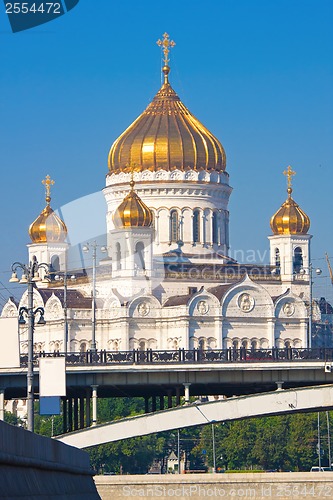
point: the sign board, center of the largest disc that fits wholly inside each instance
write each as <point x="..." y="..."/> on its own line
<point x="10" y="351"/>
<point x="52" y="377"/>
<point x="49" y="405"/>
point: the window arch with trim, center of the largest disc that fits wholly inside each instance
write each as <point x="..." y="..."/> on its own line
<point x="196" y="226"/>
<point x="118" y="256"/>
<point x="174" y="226"/>
<point x="139" y="255"/>
<point x="277" y="261"/>
<point x="215" y="228"/>
<point x="55" y="263"/>
<point x="298" y="260"/>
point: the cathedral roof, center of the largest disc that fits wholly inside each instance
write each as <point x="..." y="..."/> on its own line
<point x="182" y="300"/>
<point x="166" y="136"/>
<point x="290" y="218"/>
<point x="48" y="227"/>
<point x="74" y="300"/>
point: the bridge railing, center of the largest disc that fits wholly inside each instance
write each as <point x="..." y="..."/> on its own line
<point x="182" y="356"/>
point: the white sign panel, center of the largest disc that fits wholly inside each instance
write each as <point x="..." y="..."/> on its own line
<point x="10" y="351"/>
<point x="52" y="377"/>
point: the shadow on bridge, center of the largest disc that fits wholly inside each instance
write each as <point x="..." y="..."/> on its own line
<point x="278" y="402"/>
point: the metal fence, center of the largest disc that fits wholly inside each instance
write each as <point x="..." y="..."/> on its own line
<point x="182" y="356"/>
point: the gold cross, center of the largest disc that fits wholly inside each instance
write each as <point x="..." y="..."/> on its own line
<point x="289" y="173"/>
<point x="131" y="166"/>
<point x="166" y="44"/>
<point x="48" y="182"/>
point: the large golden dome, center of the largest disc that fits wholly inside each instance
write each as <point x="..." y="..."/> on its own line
<point x="290" y="218"/>
<point x="48" y="227"/>
<point x="132" y="212"/>
<point x="166" y="136"/>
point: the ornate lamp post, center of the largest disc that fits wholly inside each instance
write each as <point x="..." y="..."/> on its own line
<point x="29" y="277"/>
<point x="63" y="277"/>
<point x="86" y="249"/>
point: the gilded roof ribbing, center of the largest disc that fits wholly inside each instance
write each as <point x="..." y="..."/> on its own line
<point x="290" y="218"/>
<point x="166" y="136"/>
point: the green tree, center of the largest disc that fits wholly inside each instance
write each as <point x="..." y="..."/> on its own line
<point x="270" y="447"/>
<point x="301" y="445"/>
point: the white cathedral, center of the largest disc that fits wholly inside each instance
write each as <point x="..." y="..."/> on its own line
<point x="166" y="281"/>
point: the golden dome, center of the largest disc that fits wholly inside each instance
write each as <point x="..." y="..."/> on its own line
<point x="290" y="218"/>
<point x="132" y="212"/>
<point x="166" y="136"/>
<point x="48" y="227"/>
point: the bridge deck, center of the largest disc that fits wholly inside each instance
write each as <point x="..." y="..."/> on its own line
<point x="274" y="403"/>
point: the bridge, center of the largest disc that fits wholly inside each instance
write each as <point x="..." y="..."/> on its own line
<point x="162" y="378"/>
<point x="280" y="401"/>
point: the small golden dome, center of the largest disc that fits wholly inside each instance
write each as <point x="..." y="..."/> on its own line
<point x="132" y="212"/>
<point x="48" y="227"/>
<point x="290" y="218"/>
<point x="166" y="136"/>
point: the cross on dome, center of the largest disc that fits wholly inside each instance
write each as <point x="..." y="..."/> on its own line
<point x="289" y="173"/>
<point x="48" y="182"/>
<point x="166" y="45"/>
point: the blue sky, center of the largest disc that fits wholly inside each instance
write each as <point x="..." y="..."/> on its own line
<point x="258" y="74"/>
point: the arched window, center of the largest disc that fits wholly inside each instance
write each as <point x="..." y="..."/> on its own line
<point x="118" y="256"/>
<point x="254" y="345"/>
<point x="287" y="344"/>
<point x="56" y="346"/>
<point x="244" y="344"/>
<point x="175" y="344"/>
<point x="298" y="260"/>
<point x="235" y="344"/>
<point x="83" y="347"/>
<point x="55" y="263"/>
<point x="139" y="256"/>
<point x="277" y="261"/>
<point x="202" y="344"/>
<point x="174" y="226"/>
<point x="215" y="228"/>
<point x="142" y="345"/>
<point x="196" y="226"/>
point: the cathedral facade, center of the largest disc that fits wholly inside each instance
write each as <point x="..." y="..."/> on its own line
<point x="165" y="280"/>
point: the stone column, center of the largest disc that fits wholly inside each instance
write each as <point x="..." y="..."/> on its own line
<point x="177" y="396"/>
<point x="70" y="414"/>
<point x="2" y="404"/>
<point x="218" y="330"/>
<point x="76" y="413"/>
<point x="169" y="398"/>
<point x="88" y="418"/>
<point x="94" y="405"/>
<point x="81" y="412"/>
<point x="271" y="332"/>
<point x="187" y="392"/>
<point x="146" y="404"/>
<point x="64" y="415"/>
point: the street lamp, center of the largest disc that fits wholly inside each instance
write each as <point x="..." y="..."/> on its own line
<point x="63" y="277"/>
<point x="86" y="249"/>
<point x="318" y="272"/>
<point x="29" y="277"/>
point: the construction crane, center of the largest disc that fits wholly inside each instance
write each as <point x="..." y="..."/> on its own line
<point x="329" y="267"/>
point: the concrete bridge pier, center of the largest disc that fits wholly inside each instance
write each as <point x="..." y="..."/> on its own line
<point x="75" y="412"/>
